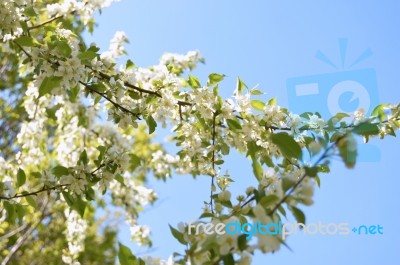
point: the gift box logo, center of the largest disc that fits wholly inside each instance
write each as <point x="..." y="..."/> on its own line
<point x="345" y="90"/>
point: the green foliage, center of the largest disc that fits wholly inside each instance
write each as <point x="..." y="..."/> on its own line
<point x="257" y="104"/>
<point x="48" y="84"/>
<point x="287" y="145"/>
<point x="21" y="177"/>
<point x="126" y="257"/>
<point x="194" y="82"/>
<point x="178" y="235"/>
<point x="215" y="79"/>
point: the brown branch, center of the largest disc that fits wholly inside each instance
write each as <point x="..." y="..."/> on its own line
<point x="33" y="193"/>
<point x="352" y="125"/>
<point x="23" y="50"/>
<point x="97" y="169"/>
<point x="139" y="89"/>
<point x="213" y="162"/>
<point x="103" y="95"/>
<point x="45" y="22"/>
<point x="108" y="77"/>
<point x="323" y="156"/>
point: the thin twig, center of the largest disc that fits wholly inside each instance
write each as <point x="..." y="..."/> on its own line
<point x="45" y="22"/>
<point x="23" y="50"/>
<point x="33" y="193"/>
<point x="118" y="106"/>
<point x="292" y="189"/>
<point x="323" y="156"/>
<point x="213" y="163"/>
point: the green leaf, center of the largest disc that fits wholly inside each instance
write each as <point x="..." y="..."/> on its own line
<point x="306" y="115"/>
<point x="125" y="255"/>
<point x="194" y="82"/>
<point x="93" y="48"/>
<point x="298" y="214"/>
<point x="30" y="11"/>
<point x="311" y="171"/>
<point x="318" y="181"/>
<point x="341" y="115"/>
<point x="134" y="161"/>
<point x="233" y="124"/>
<point x="68" y="198"/>
<point x="287" y="183"/>
<point x="257" y="170"/>
<point x="133" y="95"/>
<point x="256" y="92"/>
<point x="129" y="65"/>
<point x="59" y="171"/>
<point x="225" y="149"/>
<point x="87" y="55"/>
<point x="48" y="84"/>
<point x="215" y="78"/>
<point x="228" y="259"/>
<point x="269" y="200"/>
<point x="73" y="93"/>
<point x="366" y="128"/>
<point x="36" y="175"/>
<point x="30" y="200"/>
<point x="10" y="211"/>
<point x="64" y="48"/>
<point x="242" y="242"/>
<point x="178" y="235"/>
<point x="272" y="102"/>
<point x="90" y="194"/>
<point x="79" y="205"/>
<point x="240" y="85"/>
<point x="206" y="215"/>
<point x="151" y="123"/>
<point x="348" y="150"/>
<point x="379" y="112"/>
<point x="83" y="158"/>
<point x="257" y="104"/>
<point x="323" y="168"/>
<point x="287" y="145"/>
<point x="252" y="148"/>
<point x="21" y="177"/>
<point x="24" y="27"/>
<point x="20" y="211"/>
<point x="219" y="162"/>
<point x="25" y="41"/>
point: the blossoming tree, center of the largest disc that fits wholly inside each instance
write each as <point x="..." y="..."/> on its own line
<point x="76" y="138"/>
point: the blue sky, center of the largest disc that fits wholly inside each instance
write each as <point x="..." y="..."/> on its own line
<point x="274" y="44"/>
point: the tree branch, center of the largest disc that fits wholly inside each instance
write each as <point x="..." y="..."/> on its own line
<point x="118" y="106"/>
<point x="292" y="189"/>
<point x="34" y="193"/>
<point x="45" y="22"/>
<point x="213" y="162"/>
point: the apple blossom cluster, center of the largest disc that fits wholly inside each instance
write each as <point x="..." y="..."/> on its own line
<point x="32" y="137"/>
<point x="178" y="63"/>
<point x="11" y="14"/>
<point x="116" y="48"/>
<point x="85" y="8"/>
<point x="75" y="235"/>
